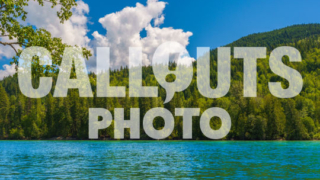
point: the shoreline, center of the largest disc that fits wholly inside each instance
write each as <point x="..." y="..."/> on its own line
<point x="75" y="139"/>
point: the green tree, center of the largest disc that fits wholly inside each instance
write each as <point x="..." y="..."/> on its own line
<point x="26" y="36"/>
<point x="275" y="117"/>
<point x="50" y="115"/>
<point x="4" y="111"/>
<point x="294" y="127"/>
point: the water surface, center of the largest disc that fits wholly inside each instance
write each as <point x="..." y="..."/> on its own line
<point x="159" y="159"/>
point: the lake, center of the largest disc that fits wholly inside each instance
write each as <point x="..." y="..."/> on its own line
<point x="159" y="159"/>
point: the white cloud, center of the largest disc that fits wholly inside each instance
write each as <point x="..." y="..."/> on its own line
<point x="156" y="36"/>
<point x="124" y="28"/>
<point x="8" y="70"/>
<point x="158" y="21"/>
<point x="73" y="32"/>
<point x="6" y="51"/>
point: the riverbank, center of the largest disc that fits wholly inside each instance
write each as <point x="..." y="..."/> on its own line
<point x="145" y="139"/>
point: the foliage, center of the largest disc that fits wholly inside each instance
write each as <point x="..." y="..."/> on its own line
<point x="12" y="13"/>
<point x="264" y="117"/>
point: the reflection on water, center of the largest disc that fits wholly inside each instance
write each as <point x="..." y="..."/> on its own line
<point x="159" y="159"/>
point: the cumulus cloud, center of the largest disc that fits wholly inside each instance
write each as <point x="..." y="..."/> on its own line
<point x="124" y="28"/>
<point x="73" y="32"/>
<point x="158" y="21"/>
<point x="6" y="51"/>
<point x="8" y="70"/>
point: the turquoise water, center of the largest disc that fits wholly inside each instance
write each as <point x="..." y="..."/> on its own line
<point x="159" y="159"/>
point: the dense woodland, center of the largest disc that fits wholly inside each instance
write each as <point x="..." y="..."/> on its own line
<point x="262" y="118"/>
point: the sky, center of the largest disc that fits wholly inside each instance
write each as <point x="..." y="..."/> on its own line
<point x="216" y="23"/>
<point x="202" y="23"/>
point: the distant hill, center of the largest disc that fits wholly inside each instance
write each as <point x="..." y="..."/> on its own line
<point x="275" y="38"/>
<point x="290" y="35"/>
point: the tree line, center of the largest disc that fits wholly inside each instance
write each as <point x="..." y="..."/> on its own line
<point x="264" y="117"/>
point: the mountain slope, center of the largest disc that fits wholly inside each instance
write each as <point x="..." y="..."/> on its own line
<point x="275" y="38"/>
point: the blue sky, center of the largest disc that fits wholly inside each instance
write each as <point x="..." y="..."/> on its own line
<point x="213" y="23"/>
<point x="216" y="23"/>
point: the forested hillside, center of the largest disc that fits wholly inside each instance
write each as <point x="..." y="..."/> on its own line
<point x="262" y="118"/>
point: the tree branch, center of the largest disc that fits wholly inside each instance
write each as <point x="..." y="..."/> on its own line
<point x="14" y="48"/>
<point x="51" y="2"/>
<point x="11" y="45"/>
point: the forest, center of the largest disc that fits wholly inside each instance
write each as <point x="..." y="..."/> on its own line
<point x="264" y="117"/>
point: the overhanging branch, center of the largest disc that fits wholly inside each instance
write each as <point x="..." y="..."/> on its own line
<point x="51" y="2"/>
<point x="11" y="45"/>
